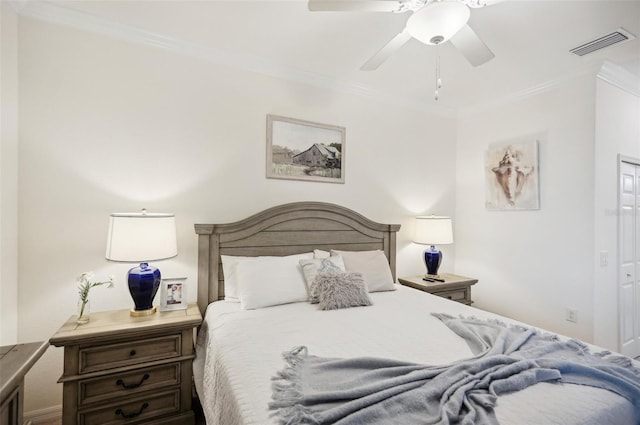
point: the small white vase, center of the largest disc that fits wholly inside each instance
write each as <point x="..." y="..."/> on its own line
<point x="84" y="310"/>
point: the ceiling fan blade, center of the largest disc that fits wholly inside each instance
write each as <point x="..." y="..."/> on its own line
<point x="389" y="49"/>
<point x="474" y="4"/>
<point x="354" y="5"/>
<point x="472" y="48"/>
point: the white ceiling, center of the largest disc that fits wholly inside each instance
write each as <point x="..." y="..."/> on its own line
<point x="531" y="41"/>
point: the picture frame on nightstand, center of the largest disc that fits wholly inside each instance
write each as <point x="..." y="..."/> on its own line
<point x="173" y="294"/>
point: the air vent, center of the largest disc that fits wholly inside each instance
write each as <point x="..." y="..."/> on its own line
<point x="605" y="41"/>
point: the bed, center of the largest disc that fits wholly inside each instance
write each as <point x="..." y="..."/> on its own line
<point x="241" y="343"/>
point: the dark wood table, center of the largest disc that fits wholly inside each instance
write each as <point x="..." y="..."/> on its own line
<point x="15" y="362"/>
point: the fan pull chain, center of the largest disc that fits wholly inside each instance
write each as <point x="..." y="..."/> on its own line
<point x="438" y="79"/>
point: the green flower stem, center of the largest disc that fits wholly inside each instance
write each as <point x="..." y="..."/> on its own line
<point x="84" y="303"/>
<point x="83" y="291"/>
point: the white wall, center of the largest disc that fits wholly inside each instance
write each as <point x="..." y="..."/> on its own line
<point x="8" y="175"/>
<point x="617" y="133"/>
<point x="532" y="265"/>
<point x="109" y="126"/>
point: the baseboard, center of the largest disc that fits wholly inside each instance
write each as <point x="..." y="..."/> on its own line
<point x="43" y="416"/>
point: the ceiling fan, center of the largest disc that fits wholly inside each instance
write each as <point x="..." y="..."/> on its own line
<point x="431" y="22"/>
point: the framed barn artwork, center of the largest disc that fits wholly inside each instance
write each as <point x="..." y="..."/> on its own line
<point x="512" y="176"/>
<point x="304" y="150"/>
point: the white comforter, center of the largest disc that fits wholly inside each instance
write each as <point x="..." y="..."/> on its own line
<point x="238" y="351"/>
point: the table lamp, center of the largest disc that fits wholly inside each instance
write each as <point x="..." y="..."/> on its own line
<point x="142" y="237"/>
<point x="433" y="230"/>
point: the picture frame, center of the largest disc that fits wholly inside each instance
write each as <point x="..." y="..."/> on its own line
<point x="305" y="150"/>
<point x="512" y="175"/>
<point x="173" y="294"/>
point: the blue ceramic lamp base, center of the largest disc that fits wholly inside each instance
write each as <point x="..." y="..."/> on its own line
<point x="144" y="282"/>
<point x="432" y="259"/>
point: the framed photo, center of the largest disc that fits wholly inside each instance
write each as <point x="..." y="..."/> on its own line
<point x="512" y="176"/>
<point x="173" y="294"/>
<point x="304" y="150"/>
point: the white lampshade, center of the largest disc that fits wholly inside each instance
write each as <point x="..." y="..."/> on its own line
<point x="433" y="230"/>
<point x="141" y="237"/>
<point x="437" y="22"/>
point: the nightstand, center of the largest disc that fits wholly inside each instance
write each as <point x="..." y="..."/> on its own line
<point x="120" y="369"/>
<point x="455" y="288"/>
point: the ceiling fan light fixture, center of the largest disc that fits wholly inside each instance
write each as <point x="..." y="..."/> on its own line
<point x="437" y="22"/>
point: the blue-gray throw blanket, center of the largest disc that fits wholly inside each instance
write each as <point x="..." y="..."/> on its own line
<point x="316" y="390"/>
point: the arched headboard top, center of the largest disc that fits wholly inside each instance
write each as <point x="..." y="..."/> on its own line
<point x="285" y="230"/>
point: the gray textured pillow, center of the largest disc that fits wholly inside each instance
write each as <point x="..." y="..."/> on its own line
<point x="341" y="290"/>
<point x="311" y="269"/>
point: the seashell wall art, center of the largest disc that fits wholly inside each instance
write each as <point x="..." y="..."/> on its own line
<point x="512" y="176"/>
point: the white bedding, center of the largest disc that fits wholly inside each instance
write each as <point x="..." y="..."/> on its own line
<point x="238" y="351"/>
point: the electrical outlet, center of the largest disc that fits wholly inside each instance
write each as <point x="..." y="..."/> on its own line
<point x="572" y="315"/>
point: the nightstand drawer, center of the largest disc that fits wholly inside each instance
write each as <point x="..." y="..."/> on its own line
<point x="133" y="410"/>
<point x="128" y="383"/>
<point x="128" y="353"/>
<point x="454" y="295"/>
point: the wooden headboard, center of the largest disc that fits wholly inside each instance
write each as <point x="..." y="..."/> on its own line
<point x="284" y="230"/>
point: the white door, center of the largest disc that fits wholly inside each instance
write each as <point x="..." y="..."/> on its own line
<point x="629" y="277"/>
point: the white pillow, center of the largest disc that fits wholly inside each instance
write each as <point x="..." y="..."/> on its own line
<point x="311" y="269"/>
<point x="373" y="265"/>
<point x="229" y="264"/>
<point x="318" y="253"/>
<point x="270" y="281"/>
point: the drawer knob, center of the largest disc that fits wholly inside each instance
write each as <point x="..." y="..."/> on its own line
<point x="134" y="414"/>
<point x="134" y="385"/>
<point x="132" y="353"/>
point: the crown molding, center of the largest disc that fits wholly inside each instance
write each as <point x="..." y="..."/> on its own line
<point x="65" y="16"/>
<point x="529" y="92"/>
<point x="620" y="77"/>
<point x="609" y="72"/>
<point x="62" y="15"/>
